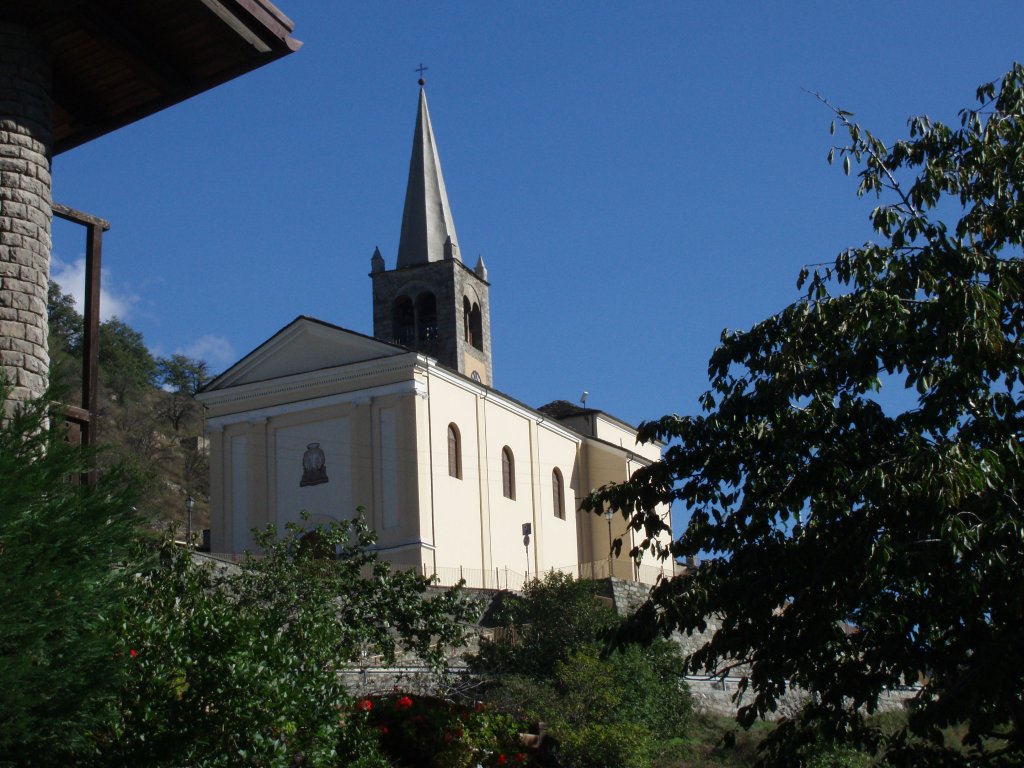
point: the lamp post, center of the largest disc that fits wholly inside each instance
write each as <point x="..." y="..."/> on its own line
<point x="608" y="516"/>
<point x="189" y="504"/>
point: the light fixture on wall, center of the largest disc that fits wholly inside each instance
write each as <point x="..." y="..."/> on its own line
<point x="527" y="530"/>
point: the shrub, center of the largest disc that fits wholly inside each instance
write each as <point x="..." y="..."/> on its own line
<point x="240" y="666"/>
<point x="60" y="544"/>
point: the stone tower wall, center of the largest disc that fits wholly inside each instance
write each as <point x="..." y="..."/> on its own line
<point x="466" y="277"/>
<point x="25" y="210"/>
<point x="447" y="280"/>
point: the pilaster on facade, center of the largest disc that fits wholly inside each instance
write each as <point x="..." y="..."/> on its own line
<point x="487" y="556"/>
<point x="538" y="519"/>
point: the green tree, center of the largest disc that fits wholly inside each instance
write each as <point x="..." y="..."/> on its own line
<point x="66" y="324"/>
<point x="602" y="710"/>
<point x="61" y="542"/>
<point x="126" y="366"/>
<point x="66" y="327"/>
<point x="239" y="666"/>
<point x="181" y="377"/>
<point x="532" y="643"/>
<point x="182" y="374"/>
<point x="852" y="545"/>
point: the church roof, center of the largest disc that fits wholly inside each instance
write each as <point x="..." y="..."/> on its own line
<point x="305" y="344"/>
<point x="427" y="225"/>
<point x="563" y="409"/>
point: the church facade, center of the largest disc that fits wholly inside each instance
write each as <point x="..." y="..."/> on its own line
<point x="457" y="478"/>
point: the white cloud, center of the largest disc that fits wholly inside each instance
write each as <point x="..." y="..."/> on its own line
<point x="71" y="279"/>
<point x="215" y="350"/>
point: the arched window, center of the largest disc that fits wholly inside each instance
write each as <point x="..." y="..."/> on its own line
<point x="454" y="452"/>
<point x="403" y="321"/>
<point x="508" y="473"/>
<point x="558" y="493"/>
<point x="476" y="327"/>
<point x="466" y="335"/>
<point x="426" y="316"/>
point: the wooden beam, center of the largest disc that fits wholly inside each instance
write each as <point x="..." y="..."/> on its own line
<point x="94" y="229"/>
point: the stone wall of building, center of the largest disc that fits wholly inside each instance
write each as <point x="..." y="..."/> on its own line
<point x="25" y="210"/>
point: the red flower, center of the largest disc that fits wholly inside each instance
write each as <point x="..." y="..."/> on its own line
<point x="403" y="703"/>
<point x="520" y="757"/>
<point x="133" y="653"/>
<point x="447" y="737"/>
<point x="502" y="760"/>
<point x="365" y="705"/>
<point x="382" y="728"/>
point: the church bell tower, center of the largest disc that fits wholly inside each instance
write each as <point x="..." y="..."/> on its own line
<point x="431" y="301"/>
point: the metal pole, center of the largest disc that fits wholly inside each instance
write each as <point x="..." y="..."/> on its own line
<point x="608" y="517"/>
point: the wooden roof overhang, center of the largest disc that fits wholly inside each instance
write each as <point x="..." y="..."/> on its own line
<point x="117" y="61"/>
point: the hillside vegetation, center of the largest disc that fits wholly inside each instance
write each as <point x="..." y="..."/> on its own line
<point x="148" y="415"/>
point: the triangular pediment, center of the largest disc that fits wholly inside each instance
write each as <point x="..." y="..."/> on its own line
<point x="302" y="346"/>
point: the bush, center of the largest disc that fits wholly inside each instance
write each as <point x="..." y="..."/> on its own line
<point x="601" y="708"/>
<point x="420" y="731"/>
<point x="240" y="666"/>
<point x="61" y="542"/>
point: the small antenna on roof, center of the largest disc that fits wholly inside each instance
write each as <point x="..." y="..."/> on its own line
<point x="583" y="398"/>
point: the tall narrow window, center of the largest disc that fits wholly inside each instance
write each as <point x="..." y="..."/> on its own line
<point x="426" y="319"/>
<point x="508" y="473"/>
<point x="403" y="319"/>
<point x="476" y="327"/>
<point x="454" y="452"/>
<point x="466" y="332"/>
<point x="558" y="493"/>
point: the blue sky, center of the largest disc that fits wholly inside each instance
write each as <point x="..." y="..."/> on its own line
<point x="637" y="176"/>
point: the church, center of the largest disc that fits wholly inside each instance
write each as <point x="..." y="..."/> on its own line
<point x="457" y="478"/>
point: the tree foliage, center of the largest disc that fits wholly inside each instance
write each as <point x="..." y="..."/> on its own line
<point x="65" y="322"/>
<point x="602" y="710"/>
<point x="239" y="666"/>
<point x="853" y="545"/>
<point x="533" y="643"/>
<point x="182" y="374"/>
<point x="60" y="544"/>
<point x="180" y="377"/>
<point x="126" y="366"/>
<point x="66" y="327"/>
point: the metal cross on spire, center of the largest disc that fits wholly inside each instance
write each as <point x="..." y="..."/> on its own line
<point x="421" y="69"/>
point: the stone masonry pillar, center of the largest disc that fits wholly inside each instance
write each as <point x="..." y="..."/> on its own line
<point x="26" y="128"/>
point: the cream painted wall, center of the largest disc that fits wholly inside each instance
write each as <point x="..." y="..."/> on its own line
<point x="457" y="510"/>
<point x="384" y="432"/>
<point x="506" y="428"/>
<point x="327" y="501"/>
<point x="556" y="538"/>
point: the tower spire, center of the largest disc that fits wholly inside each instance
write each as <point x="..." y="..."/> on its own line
<point x="427" y="223"/>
